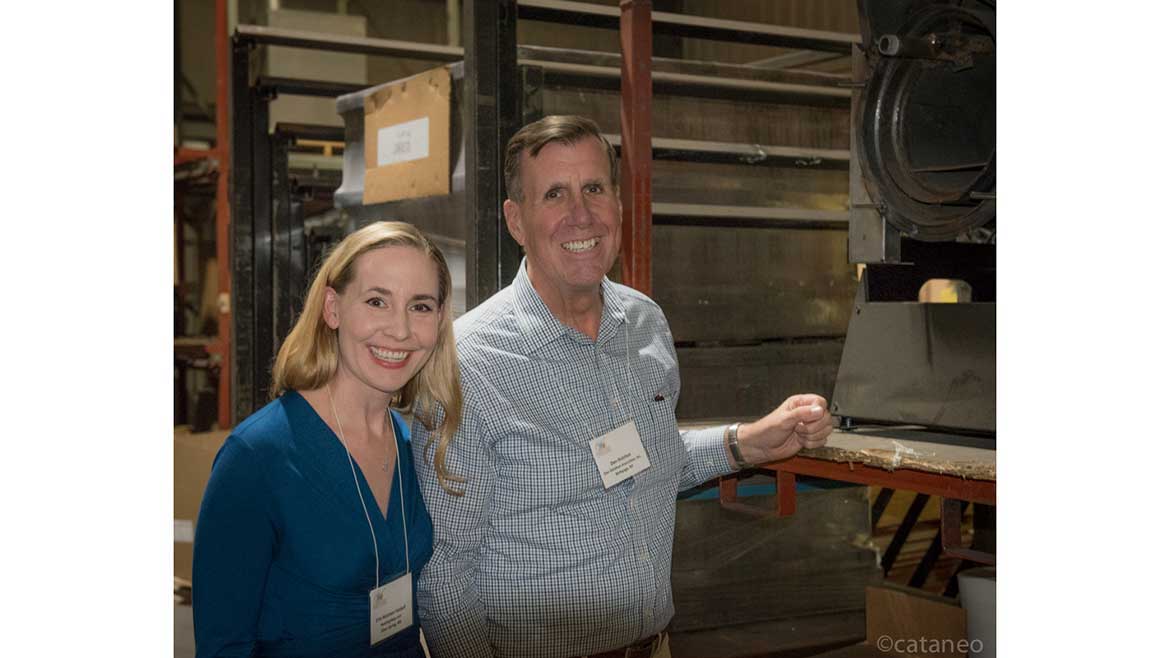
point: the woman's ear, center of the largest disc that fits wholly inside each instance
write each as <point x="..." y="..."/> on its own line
<point x="329" y="311"/>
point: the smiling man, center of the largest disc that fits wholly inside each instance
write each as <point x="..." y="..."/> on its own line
<point x="561" y="542"/>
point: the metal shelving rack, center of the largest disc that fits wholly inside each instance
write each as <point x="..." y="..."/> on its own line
<point x="269" y="266"/>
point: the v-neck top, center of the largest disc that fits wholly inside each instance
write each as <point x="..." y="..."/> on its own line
<point x="284" y="560"/>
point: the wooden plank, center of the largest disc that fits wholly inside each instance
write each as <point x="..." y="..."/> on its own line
<point x="892" y="451"/>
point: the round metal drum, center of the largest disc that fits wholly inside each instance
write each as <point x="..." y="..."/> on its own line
<point x="926" y="124"/>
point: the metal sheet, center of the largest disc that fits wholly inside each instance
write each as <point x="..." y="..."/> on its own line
<point x="747" y="285"/>
<point x="748" y="382"/>
<point x="756" y="154"/>
<point x="923" y="364"/>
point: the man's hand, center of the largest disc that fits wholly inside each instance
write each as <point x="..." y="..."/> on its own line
<point x="801" y="422"/>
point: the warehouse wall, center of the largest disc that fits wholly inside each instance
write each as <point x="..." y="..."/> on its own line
<point x="426" y="21"/>
<point x="801" y="285"/>
<point x="829" y="15"/>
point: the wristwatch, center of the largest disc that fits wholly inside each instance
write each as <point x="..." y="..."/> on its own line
<point x="731" y="436"/>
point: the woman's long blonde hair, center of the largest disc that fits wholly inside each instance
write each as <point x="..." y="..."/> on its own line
<point x="308" y="358"/>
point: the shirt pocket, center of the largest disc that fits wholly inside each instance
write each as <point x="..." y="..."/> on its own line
<point x="657" y="425"/>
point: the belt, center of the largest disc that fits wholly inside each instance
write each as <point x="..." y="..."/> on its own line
<point x="644" y="648"/>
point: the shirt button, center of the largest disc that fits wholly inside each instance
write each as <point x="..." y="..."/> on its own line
<point x="645" y="556"/>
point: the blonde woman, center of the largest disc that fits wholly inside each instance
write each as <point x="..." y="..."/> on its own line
<point x="312" y="530"/>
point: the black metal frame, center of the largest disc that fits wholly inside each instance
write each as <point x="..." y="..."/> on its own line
<point x="271" y="253"/>
<point x="243" y="345"/>
<point x="491" y="115"/>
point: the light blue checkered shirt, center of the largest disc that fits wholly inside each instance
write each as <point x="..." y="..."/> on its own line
<point x="538" y="558"/>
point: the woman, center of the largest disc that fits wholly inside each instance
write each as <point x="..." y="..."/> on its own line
<point x="312" y="531"/>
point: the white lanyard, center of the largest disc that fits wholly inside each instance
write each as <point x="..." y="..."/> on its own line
<point x="401" y="492"/>
<point x="620" y="454"/>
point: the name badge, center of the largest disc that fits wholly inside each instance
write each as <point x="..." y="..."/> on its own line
<point x="619" y="454"/>
<point x="390" y="609"/>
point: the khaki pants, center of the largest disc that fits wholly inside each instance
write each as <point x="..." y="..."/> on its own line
<point x="663" y="648"/>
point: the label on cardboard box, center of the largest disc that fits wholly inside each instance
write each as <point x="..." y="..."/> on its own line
<point x="407" y="139"/>
<point x="184" y="531"/>
<point x="404" y="142"/>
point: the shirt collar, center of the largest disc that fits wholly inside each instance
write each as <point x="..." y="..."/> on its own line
<point x="539" y="327"/>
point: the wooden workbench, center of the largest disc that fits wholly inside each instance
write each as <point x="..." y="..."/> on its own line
<point x="955" y="468"/>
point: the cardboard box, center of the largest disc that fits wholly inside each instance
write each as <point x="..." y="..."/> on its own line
<point x="903" y="621"/>
<point x="194" y="454"/>
<point x="407" y="138"/>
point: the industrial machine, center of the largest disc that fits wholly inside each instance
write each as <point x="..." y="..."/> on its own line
<point x="922" y="197"/>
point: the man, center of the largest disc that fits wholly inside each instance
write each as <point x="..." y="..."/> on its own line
<point x="561" y="542"/>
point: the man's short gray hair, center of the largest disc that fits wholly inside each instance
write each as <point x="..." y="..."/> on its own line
<point x="560" y="128"/>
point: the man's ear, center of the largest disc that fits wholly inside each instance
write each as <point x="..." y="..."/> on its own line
<point x="512" y="216"/>
<point x="329" y="311"/>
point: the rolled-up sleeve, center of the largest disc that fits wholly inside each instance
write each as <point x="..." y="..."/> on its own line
<point x="451" y="610"/>
<point x="706" y="457"/>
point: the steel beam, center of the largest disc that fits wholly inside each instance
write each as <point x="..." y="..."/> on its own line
<point x="243" y="337"/>
<point x="491" y="115"/>
<point x="933" y="484"/>
<point x="879" y="505"/>
<point x="298" y="266"/>
<point x="890" y="556"/>
<point x="694" y="214"/>
<point x="274" y="36"/>
<point x="300" y="87"/>
<point x="795" y="59"/>
<point x="262" y="250"/>
<point x="665" y="148"/>
<point x="951" y="531"/>
<point x="223" y="346"/>
<point x="702" y="85"/>
<point x="637" y="221"/>
<point x="311" y="131"/>
<point x="696" y="27"/>
<point x="281" y="236"/>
